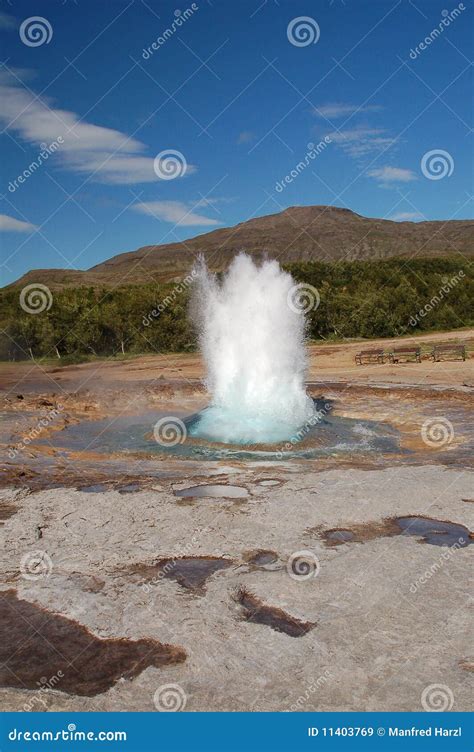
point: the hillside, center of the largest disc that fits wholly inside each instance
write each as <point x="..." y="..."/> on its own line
<point x="300" y="233"/>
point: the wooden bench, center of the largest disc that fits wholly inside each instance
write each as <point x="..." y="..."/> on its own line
<point x="369" y="356"/>
<point x="455" y="351"/>
<point x="405" y="353"/>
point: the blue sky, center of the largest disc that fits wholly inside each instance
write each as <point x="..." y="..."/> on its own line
<point x="230" y="97"/>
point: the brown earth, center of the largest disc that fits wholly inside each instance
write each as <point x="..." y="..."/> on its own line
<point x="299" y="233"/>
<point x="328" y="363"/>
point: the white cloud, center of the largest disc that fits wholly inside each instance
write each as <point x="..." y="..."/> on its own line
<point x="176" y="212"/>
<point x="10" y="224"/>
<point x="406" y="217"/>
<point x="211" y="201"/>
<point x="108" y="154"/>
<point x="359" y="142"/>
<point x="336" y="110"/>
<point x="392" y="175"/>
<point x="7" y="22"/>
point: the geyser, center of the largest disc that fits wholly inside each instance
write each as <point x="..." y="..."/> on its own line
<point x="251" y="334"/>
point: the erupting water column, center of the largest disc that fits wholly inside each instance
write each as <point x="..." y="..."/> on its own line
<point x="252" y="340"/>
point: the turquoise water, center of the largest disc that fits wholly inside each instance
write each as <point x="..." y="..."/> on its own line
<point x="331" y="436"/>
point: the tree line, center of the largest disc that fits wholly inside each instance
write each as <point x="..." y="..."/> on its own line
<point x="358" y="299"/>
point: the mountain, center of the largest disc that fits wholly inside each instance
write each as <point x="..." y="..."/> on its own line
<point x="300" y="233"/>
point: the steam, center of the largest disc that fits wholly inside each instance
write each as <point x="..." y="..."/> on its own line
<point x="252" y="341"/>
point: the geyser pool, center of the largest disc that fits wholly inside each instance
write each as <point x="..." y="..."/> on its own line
<point x="251" y="334"/>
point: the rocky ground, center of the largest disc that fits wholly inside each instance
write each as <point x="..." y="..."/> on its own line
<point x="301" y="585"/>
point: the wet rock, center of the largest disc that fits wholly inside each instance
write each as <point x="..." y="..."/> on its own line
<point x="190" y="572"/>
<point x="36" y="643"/>
<point x="262" y="559"/>
<point x="255" y="610"/>
<point x="428" y="530"/>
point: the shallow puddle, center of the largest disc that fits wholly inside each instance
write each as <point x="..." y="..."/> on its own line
<point x="435" y="532"/>
<point x="36" y="643"/>
<point x="269" y="482"/>
<point x="190" y="572"/>
<point x="262" y="559"/>
<point x="128" y="488"/>
<point x="428" y="530"/>
<point x="214" y="491"/>
<point x="256" y="611"/>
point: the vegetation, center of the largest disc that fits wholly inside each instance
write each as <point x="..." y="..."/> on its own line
<point x="357" y="299"/>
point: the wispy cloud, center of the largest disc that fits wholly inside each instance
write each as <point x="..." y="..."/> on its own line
<point x="176" y="212"/>
<point x="111" y="156"/>
<point x="7" y="22"/>
<point x="335" y="110"/>
<point x="407" y="217"/>
<point x="388" y="175"/>
<point x="211" y="201"/>
<point x="361" y="142"/>
<point x="10" y="224"/>
<point x="246" y="137"/>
